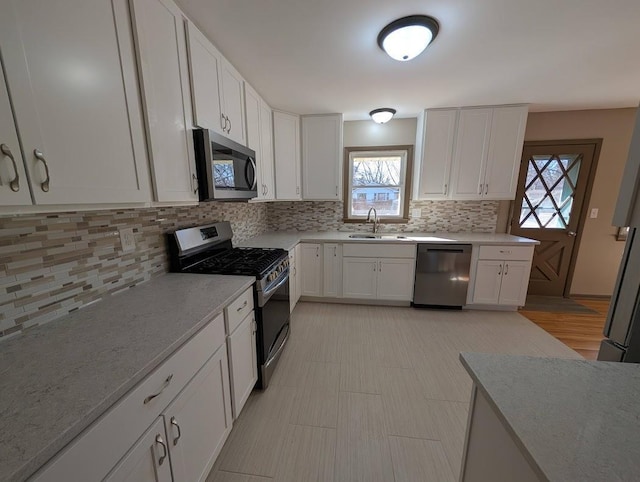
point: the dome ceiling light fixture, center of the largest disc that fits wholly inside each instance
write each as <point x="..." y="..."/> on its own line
<point x="407" y="37"/>
<point x="382" y="115"/>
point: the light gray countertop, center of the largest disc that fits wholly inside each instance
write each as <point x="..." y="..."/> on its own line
<point x="574" y="420"/>
<point x="288" y="239"/>
<point x="58" y="378"/>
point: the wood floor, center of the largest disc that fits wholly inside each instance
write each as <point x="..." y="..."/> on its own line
<point x="370" y="394"/>
<point x="581" y="332"/>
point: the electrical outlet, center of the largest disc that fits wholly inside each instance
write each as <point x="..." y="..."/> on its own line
<point x="594" y="213"/>
<point x="127" y="240"/>
<point x="416" y="213"/>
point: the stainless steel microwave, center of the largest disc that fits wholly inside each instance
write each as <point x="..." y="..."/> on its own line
<point x="226" y="169"/>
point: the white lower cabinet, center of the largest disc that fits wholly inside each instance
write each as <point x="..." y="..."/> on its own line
<point x="311" y="269"/>
<point x="395" y="279"/>
<point x="502" y="275"/>
<point x="299" y="273"/>
<point x="243" y="363"/>
<point x="293" y="279"/>
<point x="359" y="277"/>
<point x="332" y="270"/>
<point x="148" y="459"/>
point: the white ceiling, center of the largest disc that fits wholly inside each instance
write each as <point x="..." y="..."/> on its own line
<point x="321" y="56"/>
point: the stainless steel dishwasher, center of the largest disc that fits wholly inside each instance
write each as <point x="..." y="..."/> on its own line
<point x="442" y="275"/>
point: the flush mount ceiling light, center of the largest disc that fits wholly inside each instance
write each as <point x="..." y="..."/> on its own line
<point x="405" y="38"/>
<point x="382" y="115"/>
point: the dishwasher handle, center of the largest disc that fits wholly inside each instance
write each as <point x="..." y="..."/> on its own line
<point x="425" y="248"/>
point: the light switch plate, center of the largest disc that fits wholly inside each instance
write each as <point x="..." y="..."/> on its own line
<point x="127" y="240"/>
<point x="594" y="213"/>
<point x="416" y="213"/>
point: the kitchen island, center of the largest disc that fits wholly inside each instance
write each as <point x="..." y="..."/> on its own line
<point x="551" y="419"/>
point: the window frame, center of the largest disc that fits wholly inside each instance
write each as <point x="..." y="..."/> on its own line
<point x="405" y="189"/>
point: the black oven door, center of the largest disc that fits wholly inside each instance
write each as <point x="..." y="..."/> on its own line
<point x="273" y="326"/>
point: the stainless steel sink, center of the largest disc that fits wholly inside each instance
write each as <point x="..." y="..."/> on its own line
<point x="364" y="236"/>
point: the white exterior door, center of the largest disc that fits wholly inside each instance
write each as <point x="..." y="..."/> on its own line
<point x="515" y="282"/>
<point x="311" y="269"/>
<point x="199" y="420"/>
<point x="165" y="84"/>
<point x="204" y="64"/>
<point x="321" y="156"/>
<point x="14" y="185"/>
<point x="486" y="288"/>
<point x="395" y="279"/>
<point x="71" y="71"/>
<point x="437" y="154"/>
<point x="243" y="365"/>
<point x="359" y="277"/>
<point x="472" y="145"/>
<point x="286" y="136"/>
<point x="147" y="460"/>
<point x="332" y="276"/>
<point x="233" y="102"/>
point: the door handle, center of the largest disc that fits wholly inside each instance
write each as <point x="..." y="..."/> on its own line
<point x="480" y="189"/>
<point x="486" y="189"/>
<point x="195" y="183"/>
<point x="445" y="189"/>
<point x="223" y="122"/>
<point x="506" y="269"/>
<point x="44" y="185"/>
<point x="335" y="249"/>
<point x="164" y="385"/>
<point x="14" y="184"/>
<point x="380" y="268"/>
<point x="573" y="234"/>
<point x="229" y="129"/>
<point x="174" y="422"/>
<point x="317" y="251"/>
<point x="500" y="270"/>
<point x="160" y="441"/>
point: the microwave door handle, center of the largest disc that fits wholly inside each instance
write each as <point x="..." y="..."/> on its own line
<point x="252" y="184"/>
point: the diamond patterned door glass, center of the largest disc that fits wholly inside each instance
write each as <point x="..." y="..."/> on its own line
<point x="549" y="190"/>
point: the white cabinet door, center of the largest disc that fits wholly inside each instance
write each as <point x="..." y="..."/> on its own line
<point x="71" y="71"/>
<point x="147" y="460"/>
<point x="243" y="365"/>
<point x="321" y="156"/>
<point x="299" y="272"/>
<point x="332" y="276"/>
<point x="505" y="150"/>
<point x="266" y="164"/>
<point x="359" y="277"/>
<point x="199" y="420"/>
<point x="395" y="279"/>
<point x="233" y="102"/>
<point x="286" y="137"/>
<point x="472" y="145"/>
<point x="293" y="279"/>
<point x="311" y="268"/>
<point x="437" y="154"/>
<point x="204" y="64"/>
<point x="515" y="283"/>
<point x="160" y="30"/>
<point x="486" y="289"/>
<point x="14" y="185"/>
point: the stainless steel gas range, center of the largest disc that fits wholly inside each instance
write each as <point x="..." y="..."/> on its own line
<point x="209" y="250"/>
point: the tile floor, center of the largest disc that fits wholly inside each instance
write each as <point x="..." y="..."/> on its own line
<point x="366" y="393"/>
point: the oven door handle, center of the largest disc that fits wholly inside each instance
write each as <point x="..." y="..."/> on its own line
<point x="284" y="279"/>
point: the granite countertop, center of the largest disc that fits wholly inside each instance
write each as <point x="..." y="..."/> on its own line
<point x="574" y="420"/>
<point x="58" y="378"/>
<point x="288" y="239"/>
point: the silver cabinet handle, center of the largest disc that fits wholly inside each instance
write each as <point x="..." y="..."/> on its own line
<point x="266" y="189"/>
<point x="375" y="265"/>
<point x="160" y="441"/>
<point x="500" y="270"/>
<point x="164" y="385"/>
<point x="317" y="251"/>
<point x="195" y="183"/>
<point x="44" y="185"/>
<point x="445" y="189"/>
<point x="480" y="189"/>
<point x="254" y="327"/>
<point x="336" y="191"/>
<point x="297" y="189"/>
<point x="506" y="269"/>
<point x="335" y="250"/>
<point x="486" y="189"/>
<point x="14" y="184"/>
<point x="223" y="122"/>
<point x="243" y="306"/>
<point x="229" y="129"/>
<point x="174" y="422"/>
<point x="573" y="234"/>
<point x="380" y="268"/>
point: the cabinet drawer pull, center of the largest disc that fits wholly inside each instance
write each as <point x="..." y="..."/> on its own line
<point x="164" y="449"/>
<point x="14" y="184"/>
<point x="164" y="385"/>
<point x="244" y="305"/>
<point x="174" y="422"/>
<point x="44" y="185"/>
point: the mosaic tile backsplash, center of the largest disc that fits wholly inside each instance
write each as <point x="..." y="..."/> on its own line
<point x="51" y="264"/>
<point x="447" y="216"/>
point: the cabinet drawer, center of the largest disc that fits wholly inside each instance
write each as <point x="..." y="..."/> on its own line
<point x="97" y="450"/>
<point x="238" y="310"/>
<point x="523" y="253"/>
<point x="377" y="250"/>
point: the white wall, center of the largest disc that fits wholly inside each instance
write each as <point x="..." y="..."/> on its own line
<point x="396" y="132"/>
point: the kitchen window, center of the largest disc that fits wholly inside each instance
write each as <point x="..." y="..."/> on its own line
<point x="380" y="178"/>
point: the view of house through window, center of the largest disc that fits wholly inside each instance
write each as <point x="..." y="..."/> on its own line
<point x="377" y="179"/>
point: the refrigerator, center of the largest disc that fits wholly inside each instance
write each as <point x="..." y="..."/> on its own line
<point x="622" y="329"/>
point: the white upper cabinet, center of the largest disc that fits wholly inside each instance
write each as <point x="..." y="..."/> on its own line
<point x="321" y="157"/>
<point x="14" y="186"/>
<point x="470" y="158"/>
<point x="160" y="34"/>
<point x="71" y="72"/>
<point x="204" y="62"/>
<point x="260" y="139"/>
<point x="505" y="150"/>
<point x="286" y="137"/>
<point x="232" y="101"/>
<point x="434" y="153"/>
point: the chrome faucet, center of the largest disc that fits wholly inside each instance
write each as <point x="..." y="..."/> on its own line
<point x="375" y="219"/>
